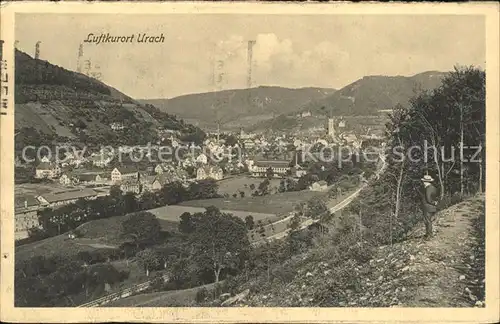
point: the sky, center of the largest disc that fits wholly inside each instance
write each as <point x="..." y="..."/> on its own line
<point x="293" y="51"/>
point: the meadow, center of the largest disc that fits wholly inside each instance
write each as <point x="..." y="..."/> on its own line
<point x="94" y="235"/>
<point x="236" y="184"/>
<point x="280" y="204"/>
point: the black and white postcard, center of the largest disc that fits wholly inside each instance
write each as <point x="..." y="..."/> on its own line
<point x="249" y="162"/>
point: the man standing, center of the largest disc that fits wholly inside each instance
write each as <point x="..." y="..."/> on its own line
<point x="429" y="203"/>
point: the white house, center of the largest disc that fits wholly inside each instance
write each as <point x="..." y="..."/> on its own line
<point x="159" y="181"/>
<point x="249" y="143"/>
<point x="249" y="163"/>
<point x="279" y="168"/>
<point x="65" y="180"/>
<point x="47" y="170"/>
<point x="122" y="173"/>
<point x="159" y="169"/>
<point x="202" y="158"/>
<point x="209" y="172"/>
<point x="319" y="186"/>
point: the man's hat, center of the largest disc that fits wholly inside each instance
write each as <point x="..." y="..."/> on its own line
<point x="427" y="178"/>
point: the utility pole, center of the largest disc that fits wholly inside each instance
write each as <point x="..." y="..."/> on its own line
<point x="88" y="66"/>
<point x="37" y="50"/>
<point x="251" y="43"/>
<point x="79" y="59"/>
<point x="217" y="78"/>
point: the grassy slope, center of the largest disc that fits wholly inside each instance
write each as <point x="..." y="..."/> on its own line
<point x="97" y="234"/>
<point x="186" y="297"/>
<point x="414" y="273"/>
<point x="237" y="184"/>
<point x="279" y="204"/>
<point x="50" y="99"/>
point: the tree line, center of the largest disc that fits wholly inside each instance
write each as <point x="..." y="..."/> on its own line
<point x="442" y="134"/>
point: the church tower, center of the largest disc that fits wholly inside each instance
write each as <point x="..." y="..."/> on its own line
<point x="331" y="127"/>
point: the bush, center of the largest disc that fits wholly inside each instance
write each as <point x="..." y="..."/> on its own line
<point x="124" y="275"/>
<point x="448" y="201"/>
<point x="201" y="295"/>
<point x="335" y="288"/>
<point x="218" y="289"/>
<point x="172" y="285"/>
<point x="230" y="285"/>
<point x="77" y="232"/>
<point x="157" y="282"/>
<point x="361" y="253"/>
<point x="84" y="256"/>
<point x="284" y="273"/>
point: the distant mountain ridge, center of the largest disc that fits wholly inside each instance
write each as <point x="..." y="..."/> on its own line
<point x="55" y="103"/>
<point x="256" y="108"/>
<point x="364" y="97"/>
<point x="370" y="94"/>
<point x="239" y="105"/>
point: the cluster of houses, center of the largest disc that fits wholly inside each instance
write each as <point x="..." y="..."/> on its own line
<point x="92" y="176"/>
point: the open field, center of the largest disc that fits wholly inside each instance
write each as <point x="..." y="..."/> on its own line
<point x="36" y="189"/>
<point x="173" y="213"/>
<point x="97" y="234"/>
<point x="280" y="204"/>
<point x="236" y="184"/>
<point x="107" y="230"/>
<point x="58" y="245"/>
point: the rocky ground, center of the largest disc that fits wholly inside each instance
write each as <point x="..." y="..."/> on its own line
<point x="445" y="271"/>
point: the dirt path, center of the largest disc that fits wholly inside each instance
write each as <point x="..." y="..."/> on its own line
<point x="440" y="272"/>
<point x="450" y="258"/>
